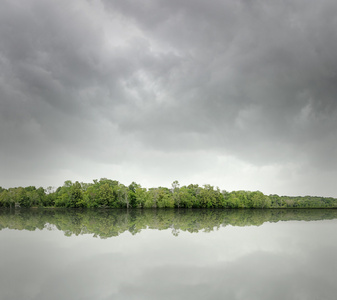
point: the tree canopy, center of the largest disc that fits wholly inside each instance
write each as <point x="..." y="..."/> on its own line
<point x="107" y="193"/>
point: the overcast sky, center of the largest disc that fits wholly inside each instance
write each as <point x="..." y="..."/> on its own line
<point x="236" y="94"/>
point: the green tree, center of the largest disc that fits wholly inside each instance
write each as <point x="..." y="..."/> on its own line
<point x="132" y="194"/>
<point x="106" y="196"/>
<point x="142" y="197"/>
<point x="164" y="198"/>
<point x="76" y="196"/>
<point x="176" y="193"/>
<point x="186" y="197"/>
<point x="123" y="199"/>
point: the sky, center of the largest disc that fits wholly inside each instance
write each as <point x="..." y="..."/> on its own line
<point x="237" y="94"/>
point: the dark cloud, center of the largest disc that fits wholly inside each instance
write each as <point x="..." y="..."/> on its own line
<point x="260" y="81"/>
<point x="105" y="82"/>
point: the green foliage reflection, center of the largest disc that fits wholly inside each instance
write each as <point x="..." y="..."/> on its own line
<point x="105" y="223"/>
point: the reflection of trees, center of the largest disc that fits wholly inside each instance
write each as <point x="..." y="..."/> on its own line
<point x="108" y="223"/>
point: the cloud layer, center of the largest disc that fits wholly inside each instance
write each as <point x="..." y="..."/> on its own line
<point x="242" y="93"/>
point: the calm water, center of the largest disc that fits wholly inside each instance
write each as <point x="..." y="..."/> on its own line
<point x="271" y="254"/>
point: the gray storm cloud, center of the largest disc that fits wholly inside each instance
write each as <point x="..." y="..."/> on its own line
<point x="124" y="83"/>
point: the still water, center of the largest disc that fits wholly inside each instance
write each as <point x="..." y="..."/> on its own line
<point x="167" y="254"/>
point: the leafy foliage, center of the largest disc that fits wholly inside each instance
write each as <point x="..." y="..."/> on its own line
<point x="107" y="193"/>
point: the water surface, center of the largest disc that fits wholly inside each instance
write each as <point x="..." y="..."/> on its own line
<point x="117" y="254"/>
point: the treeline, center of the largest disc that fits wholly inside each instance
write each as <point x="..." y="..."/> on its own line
<point x="107" y="193"/>
<point x="105" y="223"/>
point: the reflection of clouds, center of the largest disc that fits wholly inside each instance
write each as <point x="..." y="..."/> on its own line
<point x="91" y="278"/>
<point x="49" y="226"/>
<point x="258" y="275"/>
<point x="286" y="260"/>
